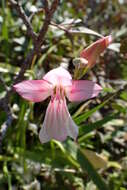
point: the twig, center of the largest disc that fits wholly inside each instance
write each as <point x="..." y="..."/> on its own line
<point x="59" y="26"/>
<point x="46" y="6"/>
<point x="48" y="15"/>
<point x="25" y="19"/>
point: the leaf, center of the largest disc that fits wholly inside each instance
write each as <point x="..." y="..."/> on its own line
<point x="8" y="68"/>
<point x="81" y="108"/>
<point x="122" y="31"/>
<point x="71" y="21"/>
<point x="115" y="122"/>
<point x="20" y="40"/>
<point x="77" y="153"/>
<point x="114" y="165"/>
<point x="43" y="57"/>
<point x="84" y="129"/>
<point x="91" y="186"/>
<point x="84" y="116"/>
<point x="84" y="30"/>
<point x="115" y="47"/>
<point x="62" y="148"/>
<point x="34" y="155"/>
<point x="96" y="160"/>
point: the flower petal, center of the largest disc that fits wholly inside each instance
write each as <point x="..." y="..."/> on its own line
<point x="82" y="90"/>
<point x="72" y="128"/>
<point x="92" y="52"/>
<point x="57" y="123"/>
<point x="58" y="76"/>
<point x="34" y="90"/>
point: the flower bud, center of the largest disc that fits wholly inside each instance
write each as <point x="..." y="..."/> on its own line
<point x="80" y="62"/>
<point x="92" y="52"/>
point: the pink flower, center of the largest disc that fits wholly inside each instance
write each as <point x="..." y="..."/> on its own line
<point x="92" y="52"/>
<point x="58" y="84"/>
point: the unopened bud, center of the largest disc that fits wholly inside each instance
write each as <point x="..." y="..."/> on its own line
<point x="80" y="62"/>
<point x="92" y="52"/>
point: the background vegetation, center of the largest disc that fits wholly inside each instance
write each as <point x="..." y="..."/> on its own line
<point x="25" y="163"/>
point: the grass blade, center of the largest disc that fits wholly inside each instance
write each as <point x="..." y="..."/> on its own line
<point x="84" y="116"/>
<point x="84" y="129"/>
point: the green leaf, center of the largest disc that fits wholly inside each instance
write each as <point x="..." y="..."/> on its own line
<point x="62" y="148"/>
<point x="84" y="129"/>
<point x="84" y="30"/>
<point x="96" y="160"/>
<point x="84" y="116"/>
<point x="8" y="68"/>
<point x="77" y="153"/>
<point x="114" y="165"/>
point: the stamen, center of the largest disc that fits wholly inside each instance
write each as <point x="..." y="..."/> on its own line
<point x="54" y="90"/>
<point x="58" y="92"/>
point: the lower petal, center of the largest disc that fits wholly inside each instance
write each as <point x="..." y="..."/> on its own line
<point x="44" y="138"/>
<point x="58" y="123"/>
<point x="72" y="128"/>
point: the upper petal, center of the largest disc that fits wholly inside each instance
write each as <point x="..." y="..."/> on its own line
<point x="58" y="76"/>
<point x="82" y="90"/>
<point x="57" y="123"/>
<point x="34" y="90"/>
<point x="94" y="50"/>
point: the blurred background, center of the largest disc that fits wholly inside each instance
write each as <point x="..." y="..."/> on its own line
<point x="26" y="164"/>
